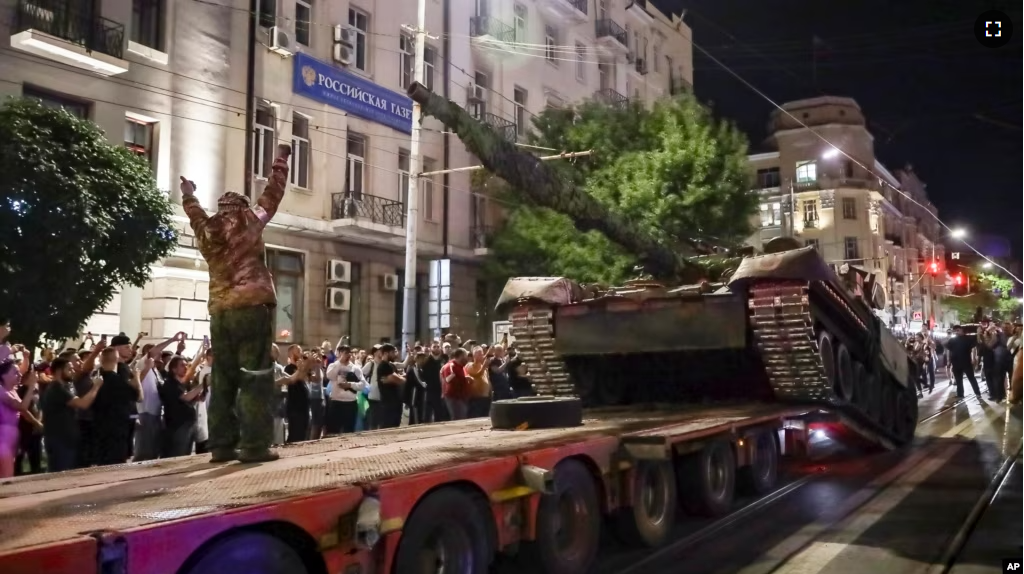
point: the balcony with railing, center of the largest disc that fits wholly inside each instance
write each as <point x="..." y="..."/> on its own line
<point x="70" y="32"/>
<point x="573" y="11"/>
<point x="365" y="216"/>
<point x="505" y="128"/>
<point x="480" y="235"/>
<point x="611" y="37"/>
<point x="497" y="38"/>
<point x="610" y="97"/>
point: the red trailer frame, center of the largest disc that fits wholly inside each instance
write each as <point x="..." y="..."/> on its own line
<point x="151" y="518"/>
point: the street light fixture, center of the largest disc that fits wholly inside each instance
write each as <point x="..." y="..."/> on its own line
<point x="986" y="265"/>
<point x="958" y="233"/>
<point x="830" y="153"/>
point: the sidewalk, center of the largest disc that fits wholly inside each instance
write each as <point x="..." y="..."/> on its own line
<point x="999" y="533"/>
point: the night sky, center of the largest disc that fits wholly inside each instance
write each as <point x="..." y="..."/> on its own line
<point x="933" y="96"/>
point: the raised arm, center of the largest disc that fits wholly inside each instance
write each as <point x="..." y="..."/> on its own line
<point x="273" y="192"/>
<point x="196" y="214"/>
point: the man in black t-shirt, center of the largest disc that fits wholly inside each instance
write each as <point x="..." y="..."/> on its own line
<point x="179" y="408"/>
<point x="390" y="384"/>
<point x="60" y="409"/>
<point x="297" y="401"/>
<point x="112" y="410"/>
<point x="434" y="409"/>
<point x="959" y="347"/>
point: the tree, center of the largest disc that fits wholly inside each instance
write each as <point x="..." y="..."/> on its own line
<point x="990" y="292"/>
<point x="672" y="171"/>
<point x="80" y="217"/>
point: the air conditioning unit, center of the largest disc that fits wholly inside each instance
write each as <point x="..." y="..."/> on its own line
<point x="339" y="271"/>
<point x="389" y="282"/>
<point x="338" y="299"/>
<point x="345" y="35"/>
<point x="281" y="41"/>
<point x="472" y="93"/>
<point x="343" y="54"/>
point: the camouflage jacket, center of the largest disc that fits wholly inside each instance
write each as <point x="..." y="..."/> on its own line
<point x="232" y="244"/>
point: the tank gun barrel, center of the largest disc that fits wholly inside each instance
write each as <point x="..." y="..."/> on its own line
<point x="543" y="186"/>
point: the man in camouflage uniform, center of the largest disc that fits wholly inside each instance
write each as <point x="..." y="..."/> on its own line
<point x="242" y="301"/>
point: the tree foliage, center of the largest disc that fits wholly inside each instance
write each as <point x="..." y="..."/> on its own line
<point x="672" y="170"/>
<point x="79" y="218"/>
<point x="992" y="293"/>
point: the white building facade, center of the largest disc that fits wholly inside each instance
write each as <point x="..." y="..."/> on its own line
<point x="168" y="78"/>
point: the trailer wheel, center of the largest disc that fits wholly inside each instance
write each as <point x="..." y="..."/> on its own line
<point x="707" y="480"/>
<point x="845" y="374"/>
<point x="248" y="551"/>
<point x="446" y="533"/>
<point x="828" y="357"/>
<point x="568" y="524"/>
<point x="649" y="520"/>
<point x="761" y="475"/>
<point x="537" y="413"/>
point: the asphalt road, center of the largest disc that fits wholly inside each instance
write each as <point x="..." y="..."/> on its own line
<point x="845" y="512"/>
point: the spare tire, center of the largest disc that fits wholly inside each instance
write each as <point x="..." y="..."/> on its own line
<point x="537" y="413"/>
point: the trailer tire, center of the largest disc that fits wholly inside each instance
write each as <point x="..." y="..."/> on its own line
<point x="760" y="476"/>
<point x="247" y="551"/>
<point x="845" y="376"/>
<point x="447" y="520"/>
<point x="553" y="551"/>
<point x="707" y="480"/>
<point x="537" y="413"/>
<point x="648" y="521"/>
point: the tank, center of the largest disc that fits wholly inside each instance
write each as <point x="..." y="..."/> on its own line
<point x="783" y="326"/>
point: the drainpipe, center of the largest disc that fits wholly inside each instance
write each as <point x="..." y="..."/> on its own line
<point x="250" y="97"/>
<point x="446" y="74"/>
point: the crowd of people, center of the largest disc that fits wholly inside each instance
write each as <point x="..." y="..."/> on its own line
<point x="111" y="401"/>
<point x="994" y="350"/>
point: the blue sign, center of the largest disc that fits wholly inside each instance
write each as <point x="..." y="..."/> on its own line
<point x="327" y="84"/>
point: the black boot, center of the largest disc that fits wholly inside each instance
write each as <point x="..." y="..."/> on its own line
<point x="257" y="455"/>
<point x="223" y="455"/>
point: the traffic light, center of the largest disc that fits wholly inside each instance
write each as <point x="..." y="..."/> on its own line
<point x="933" y="268"/>
<point x="958" y="279"/>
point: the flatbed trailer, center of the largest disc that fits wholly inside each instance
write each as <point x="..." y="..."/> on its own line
<point x="398" y="500"/>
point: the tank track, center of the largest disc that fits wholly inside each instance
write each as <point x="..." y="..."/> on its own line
<point x="534" y="333"/>
<point x="782" y="322"/>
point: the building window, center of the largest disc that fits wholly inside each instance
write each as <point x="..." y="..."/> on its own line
<point x="849" y="208"/>
<point x="428" y="190"/>
<point x="810" y="213"/>
<point x="603" y="74"/>
<point x="263" y="141"/>
<point x="428" y="67"/>
<point x="519" y="100"/>
<point x="806" y="171"/>
<point x="812" y="243"/>
<point x="74" y="107"/>
<point x="519" y="23"/>
<point x="268" y="13"/>
<point x="403" y="175"/>
<point x="550" y="41"/>
<point x="147" y="23"/>
<point x="769" y="177"/>
<point x="356" y="174"/>
<point x="656" y="58"/>
<point x="851" y="248"/>
<point x="303" y="19"/>
<point x="581" y="62"/>
<point x="847" y="168"/>
<point x="771" y="214"/>
<point x="287" y="269"/>
<point x="406" y="60"/>
<point x="359" y="22"/>
<point x="299" y="170"/>
<point x="479" y="105"/>
<point x="138" y="137"/>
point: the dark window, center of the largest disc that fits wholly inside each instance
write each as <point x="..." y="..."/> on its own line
<point x="768" y="178"/>
<point x="303" y="17"/>
<point x="851" y="248"/>
<point x="147" y="23"/>
<point x="56" y="101"/>
<point x="287" y="269"/>
<point x="268" y="13"/>
<point x="849" y="208"/>
<point x="138" y="137"/>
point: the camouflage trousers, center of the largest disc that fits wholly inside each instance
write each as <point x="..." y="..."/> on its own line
<point x="242" y="384"/>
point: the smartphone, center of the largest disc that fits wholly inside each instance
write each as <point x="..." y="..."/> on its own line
<point x="206" y="340"/>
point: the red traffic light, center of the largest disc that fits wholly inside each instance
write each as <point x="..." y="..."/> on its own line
<point x="958" y="279"/>
<point x="933" y="268"/>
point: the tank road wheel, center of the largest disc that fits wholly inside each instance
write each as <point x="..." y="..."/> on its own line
<point x="828" y="357"/>
<point x="846" y="387"/>
<point x="649" y="520"/>
<point x="707" y="480"/>
<point x="568" y="524"/>
<point x="536" y="413"/>
<point x="446" y="533"/>
<point x="247" y="551"/>
<point x="762" y="473"/>
<point x="870" y="396"/>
